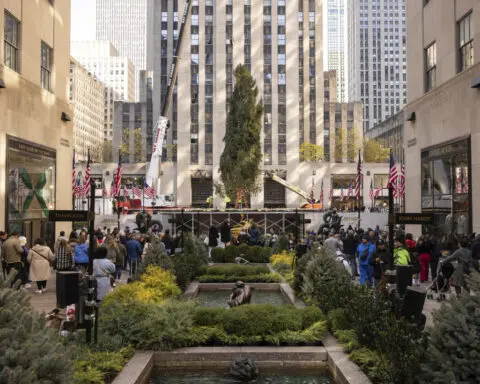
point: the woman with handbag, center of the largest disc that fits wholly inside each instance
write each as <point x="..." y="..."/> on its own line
<point x="40" y="258"/>
<point x="63" y="256"/>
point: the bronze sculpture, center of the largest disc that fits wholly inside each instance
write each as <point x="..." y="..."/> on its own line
<point x="241" y="294"/>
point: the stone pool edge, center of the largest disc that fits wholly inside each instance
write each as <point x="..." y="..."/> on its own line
<point x="330" y="357"/>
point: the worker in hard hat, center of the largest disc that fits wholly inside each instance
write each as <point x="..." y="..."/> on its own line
<point x="227" y="202"/>
<point x="209" y="201"/>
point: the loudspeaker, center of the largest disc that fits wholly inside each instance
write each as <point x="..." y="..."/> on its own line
<point x="413" y="304"/>
<point x="404" y="278"/>
<point x="67" y="288"/>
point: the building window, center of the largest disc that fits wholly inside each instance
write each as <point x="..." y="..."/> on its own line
<point x="431" y="67"/>
<point x="46" y="66"/>
<point x="11" y="42"/>
<point x="465" y="42"/>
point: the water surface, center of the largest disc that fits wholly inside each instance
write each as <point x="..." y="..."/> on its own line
<point x="220" y="298"/>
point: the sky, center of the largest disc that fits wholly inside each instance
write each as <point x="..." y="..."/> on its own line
<point x="83" y="20"/>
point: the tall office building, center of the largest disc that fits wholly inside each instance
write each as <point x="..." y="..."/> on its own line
<point x="281" y="43"/>
<point x="124" y="23"/>
<point x="377" y="57"/>
<point x="115" y="71"/>
<point x="335" y="43"/>
<point x="87" y="97"/>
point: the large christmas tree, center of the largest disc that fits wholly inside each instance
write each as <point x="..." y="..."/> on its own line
<point x="453" y="354"/>
<point x="29" y="352"/>
<point x="240" y="160"/>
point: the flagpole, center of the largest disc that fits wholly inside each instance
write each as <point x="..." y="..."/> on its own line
<point x="390" y="212"/>
<point x="360" y="194"/>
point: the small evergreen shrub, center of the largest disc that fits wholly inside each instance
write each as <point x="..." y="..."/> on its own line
<point x="371" y="364"/>
<point x="282" y="244"/>
<point x="300" y="270"/>
<point x="218" y="255"/>
<point x="157" y="256"/>
<point x="337" y="320"/>
<point x="191" y="262"/>
<point x="260" y="278"/>
<point x="236" y="270"/>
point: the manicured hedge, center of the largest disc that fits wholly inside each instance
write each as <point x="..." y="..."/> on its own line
<point x="236" y="270"/>
<point x="254" y="254"/>
<point x="260" y="278"/>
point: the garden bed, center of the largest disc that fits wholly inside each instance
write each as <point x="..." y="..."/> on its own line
<point x="230" y="273"/>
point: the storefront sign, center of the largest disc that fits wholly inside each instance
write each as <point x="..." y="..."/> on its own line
<point x="31" y="148"/>
<point x="411" y="142"/>
<point x="65" y="142"/>
<point x="414" y="218"/>
<point x="68" y="215"/>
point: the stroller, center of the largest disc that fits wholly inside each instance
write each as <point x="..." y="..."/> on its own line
<point x="441" y="285"/>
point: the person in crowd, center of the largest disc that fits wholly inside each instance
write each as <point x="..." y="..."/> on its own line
<point x="373" y="236"/>
<point x="72" y="242"/>
<point x="401" y="256"/>
<point x="115" y="232"/>
<point x="380" y="261"/>
<point x="423" y="251"/>
<point x="300" y="249"/>
<point x="167" y="240"/>
<point x="332" y="244"/>
<point x="435" y="254"/>
<point x="40" y="258"/>
<point x="147" y="243"/>
<point x="26" y="266"/>
<point x="59" y="238"/>
<point x="243" y="236"/>
<point x="225" y="233"/>
<point x="103" y="269"/>
<point x="212" y="242"/>
<point x="12" y="253"/>
<point x="121" y="257"/>
<point x="365" y="253"/>
<point x="134" y="254"/>
<point x="99" y="236"/>
<point x="465" y="264"/>
<point x="254" y="234"/>
<point x="414" y="260"/>
<point x="3" y="237"/>
<point x="350" y="245"/>
<point x="64" y="258"/>
<point x="112" y="248"/>
<point x="476" y="248"/>
<point x="81" y="254"/>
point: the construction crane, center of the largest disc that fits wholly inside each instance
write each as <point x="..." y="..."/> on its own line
<point x="163" y="123"/>
<point x="298" y="191"/>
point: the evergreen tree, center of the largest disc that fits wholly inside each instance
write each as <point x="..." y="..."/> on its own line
<point x="454" y="344"/>
<point x="29" y="352"/>
<point x="241" y="157"/>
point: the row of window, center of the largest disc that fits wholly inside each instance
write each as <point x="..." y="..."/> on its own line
<point x="465" y="52"/>
<point x="12" y="46"/>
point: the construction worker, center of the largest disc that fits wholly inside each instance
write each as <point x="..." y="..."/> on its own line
<point x="209" y="201"/>
<point x="227" y="202"/>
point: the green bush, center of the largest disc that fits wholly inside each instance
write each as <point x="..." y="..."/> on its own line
<point x="236" y="270"/>
<point x="258" y="254"/>
<point x="300" y="270"/>
<point x="348" y="338"/>
<point x="260" y="278"/>
<point x="337" y="320"/>
<point x="100" y="367"/>
<point x="218" y="255"/>
<point x="371" y="364"/>
<point x="282" y="244"/>
<point x="326" y="283"/>
<point x="29" y="352"/>
<point x="155" y="255"/>
<point x="253" y="254"/>
<point x="191" y="262"/>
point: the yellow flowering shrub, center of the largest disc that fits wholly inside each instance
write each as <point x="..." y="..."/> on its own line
<point x="284" y="258"/>
<point x="155" y="285"/>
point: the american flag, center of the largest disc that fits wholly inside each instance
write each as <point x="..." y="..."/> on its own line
<point x="137" y="192"/>
<point x="321" y="193"/>
<point x="118" y="178"/>
<point x="393" y="174"/>
<point x="401" y="184"/>
<point x="378" y="191"/>
<point x="149" y="191"/>
<point x="341" y="193"/>
<point x="350" y="191"/>
<point x="88" y="172"/>
<point x="78" y="187"/>
<point x="331" y="194"/>
<point x="358" y="180"/>
<point x="372" y="192"/>
<point x="74" y="176"/>
<point x="125" y="191"/>
<point x="112" y="189"/>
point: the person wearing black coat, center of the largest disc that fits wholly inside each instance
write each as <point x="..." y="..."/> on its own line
<point x="350" y="244"/>
<point x="435" y="254"/>
<point x="476" y="248"/>
<point x="225" y="233"/>
<point x="380" y="261"/>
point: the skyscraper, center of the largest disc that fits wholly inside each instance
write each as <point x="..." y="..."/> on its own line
<point x="335" y="43"/>
<point x="377" y="57"/>
<point x="124" y="24"/>
<point x="281" y="43"/>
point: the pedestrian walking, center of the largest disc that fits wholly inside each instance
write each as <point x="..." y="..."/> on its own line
<point x="12" y="253"/>
<point x="380" y="261"/>
<point x="25" y="273"/>
<point x="40" y="258"/>
<point x="103" y="270"/>
<point x="134" y="254"/>
<point x="350" y="245"/>
<point x="81" y="254"/>
<point x="63" y="256"/>
<point x="365" y="252"/>
<point x="225" y="233"/>
<point x="120" y="261"/>
<point x="435" y="254"/>
<point x="424" y="257"/>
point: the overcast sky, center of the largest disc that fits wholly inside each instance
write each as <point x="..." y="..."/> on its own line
<point x="83" y="20"/>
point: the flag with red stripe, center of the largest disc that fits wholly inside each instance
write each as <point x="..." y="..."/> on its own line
<point x="350" y="191"/>
<point x="372" y="193"/>
<point x="137" y="192"/>
<point x="401" y="184"/>
<point x="74" y="176"/>
<point x="393" y="174"/>
<point x="358" y="180"/>
<point x="149" y="191"/>
<point x="118" y="178"/>
<point x="378" y="191"/>
<point x="87" y="180"/>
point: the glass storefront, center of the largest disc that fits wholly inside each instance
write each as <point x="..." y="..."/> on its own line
<point x="446" y="187"/>
<point x="30" y="190"/>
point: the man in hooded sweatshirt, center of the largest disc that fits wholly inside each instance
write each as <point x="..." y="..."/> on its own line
<point x="365" y="253"/>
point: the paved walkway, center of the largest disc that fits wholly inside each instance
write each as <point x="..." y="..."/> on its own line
<point x="47" y="301"/>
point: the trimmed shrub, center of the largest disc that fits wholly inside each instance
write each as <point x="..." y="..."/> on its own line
<point x="236" y="270"/>
<point x="282" y="244"/>
<point x="371" y="364"/>
<point x="260" y="278"/>
<point x="155" y="285"/>
<point x="258" y="254"/>
<point x="230" y="253"/>
<point x="300" y="270"/>
<point x="253" y="254"/>
<point x="218" y="255"/>
<point x="191" y="262"/>
<point x="284" y="258"/>
<point x="326" y="283"/>
<point x="337" y="320"/>
<point x="348" y="338"/>
<point x="157" y="256"/>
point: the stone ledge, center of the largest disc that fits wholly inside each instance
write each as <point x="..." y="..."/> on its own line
<point x="342" y="369"/>
<point x="138" y="370"/>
